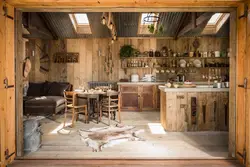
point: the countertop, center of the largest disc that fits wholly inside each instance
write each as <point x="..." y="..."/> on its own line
<point x="165" y="89"/>
<point x="153" y="83"/>
<point x="140" y="83"/>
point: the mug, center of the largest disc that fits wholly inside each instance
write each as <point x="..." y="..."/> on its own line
<point x="191" y="54"/>
<point x="217" y="54"/>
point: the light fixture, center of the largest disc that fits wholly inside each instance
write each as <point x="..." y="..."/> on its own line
<point x="112" y="41"/>
<point x="111" y="25"/>
<point x="103" y="20"/>
<point x="114" y="37"/>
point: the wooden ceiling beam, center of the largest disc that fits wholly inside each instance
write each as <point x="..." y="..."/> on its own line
<point x="48" y="25"/>
<point x="199" y="21"/>
<point x="122" y="3"/>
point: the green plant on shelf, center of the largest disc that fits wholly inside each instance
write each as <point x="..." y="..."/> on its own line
<point x="127" y="51"/>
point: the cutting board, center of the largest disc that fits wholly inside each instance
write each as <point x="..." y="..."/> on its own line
<point x="188" y="86"/>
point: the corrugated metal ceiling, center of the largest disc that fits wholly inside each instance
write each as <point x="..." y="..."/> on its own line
<point x="126" y="25"/>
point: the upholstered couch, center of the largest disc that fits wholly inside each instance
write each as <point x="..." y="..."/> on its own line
<point x="45" y="98"/>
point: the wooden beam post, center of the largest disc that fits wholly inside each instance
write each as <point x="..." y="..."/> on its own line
<point x="232" y="78"/>
<point x="19" y="56"/>
<point x="199" y="21"/>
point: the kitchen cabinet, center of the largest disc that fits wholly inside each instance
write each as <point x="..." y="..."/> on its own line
<point x="130" y="99"/>
<point x="136" y="97"/>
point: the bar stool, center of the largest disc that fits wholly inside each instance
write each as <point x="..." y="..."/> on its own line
<point x="70" y="103"/>
<point x="110" y="105"/>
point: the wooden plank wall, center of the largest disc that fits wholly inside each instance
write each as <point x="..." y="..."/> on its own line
<point x="33" y="51"/>
<point x="91" y="64"/>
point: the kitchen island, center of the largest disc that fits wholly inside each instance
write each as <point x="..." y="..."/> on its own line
<point x="194" y="109"/>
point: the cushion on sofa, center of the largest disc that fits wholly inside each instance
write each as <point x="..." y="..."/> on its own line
<point x="49" y="101"/>
<point x="35" y="89"/>
<point x="57" y="89"/>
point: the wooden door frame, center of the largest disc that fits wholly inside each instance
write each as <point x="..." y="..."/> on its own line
<point x="185" y="8"/>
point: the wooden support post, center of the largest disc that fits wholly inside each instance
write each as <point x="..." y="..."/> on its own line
<point x="232" y="78"/>
<point x="19" y="56"/>
<point x="199" y="21"/>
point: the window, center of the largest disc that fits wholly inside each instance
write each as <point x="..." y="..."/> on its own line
<point x="80" y="22"/>
<point x="215" y="23"/>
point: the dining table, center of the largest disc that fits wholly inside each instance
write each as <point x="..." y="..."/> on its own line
<point x="93" y="100"/>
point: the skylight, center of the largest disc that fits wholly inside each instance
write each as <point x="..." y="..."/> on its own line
<point x="215" y="23"/>
<point x="151" y="19"/>
<point x="80" y="22"/>
<point x="81" y="18"/>
<point x="214" y="19"/>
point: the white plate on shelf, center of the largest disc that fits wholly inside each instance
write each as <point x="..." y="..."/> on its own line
<point x="182" y="61"/>
<point x="197" y="63"/>
<point x="187" y="83"/>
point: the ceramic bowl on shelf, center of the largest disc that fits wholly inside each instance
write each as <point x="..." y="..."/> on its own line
<point x="176" y="85"/>
<point x="168" y="85"/>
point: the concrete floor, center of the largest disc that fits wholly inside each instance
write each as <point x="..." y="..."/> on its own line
<point x="158" y="145"/>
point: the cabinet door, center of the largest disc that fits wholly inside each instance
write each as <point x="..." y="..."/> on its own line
<point x="129" y="97"/>
<point x="129" y="101"/>
<point x="147" y="97"/>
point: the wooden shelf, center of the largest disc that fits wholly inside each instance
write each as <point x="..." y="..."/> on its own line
<point x="171" y="67"/>
<point x="177" y="58"/>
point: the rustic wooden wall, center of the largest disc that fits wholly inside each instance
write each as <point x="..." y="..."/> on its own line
<point x="33" y="50"/>
<point x="91" y="64"/>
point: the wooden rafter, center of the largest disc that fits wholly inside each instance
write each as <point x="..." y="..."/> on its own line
<point x="199" y="21"/>
<point x="48" y="25"/>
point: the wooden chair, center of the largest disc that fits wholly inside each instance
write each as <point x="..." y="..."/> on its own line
<point x="71" y="103"/>
<point x="110" y="105"/>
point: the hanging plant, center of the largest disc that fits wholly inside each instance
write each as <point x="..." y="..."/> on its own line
<point x="151" y="28"/>
<point x="160" y="30"/>
<point x="127" y="51"/>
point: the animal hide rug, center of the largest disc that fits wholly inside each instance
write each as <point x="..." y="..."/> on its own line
<point x="99" y="138"/>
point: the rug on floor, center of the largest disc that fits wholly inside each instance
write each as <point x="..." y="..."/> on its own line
<point x="99" y="138"/>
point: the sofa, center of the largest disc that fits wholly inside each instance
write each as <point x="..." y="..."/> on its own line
<point x="45" y="98"/>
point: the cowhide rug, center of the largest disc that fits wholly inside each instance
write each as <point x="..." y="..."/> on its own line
<point x="99" y="138"/>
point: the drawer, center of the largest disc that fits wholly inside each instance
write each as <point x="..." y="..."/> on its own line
<point x="148" y="89"/>
<point x="129" y="89"/>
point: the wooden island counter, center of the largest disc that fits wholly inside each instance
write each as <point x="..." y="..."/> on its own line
<point x="194" y="109"/>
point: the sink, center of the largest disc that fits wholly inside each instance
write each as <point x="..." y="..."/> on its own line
<point x="204" y="86"/>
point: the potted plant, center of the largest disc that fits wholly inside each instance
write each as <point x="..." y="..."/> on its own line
<point x="126" y="51"/>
